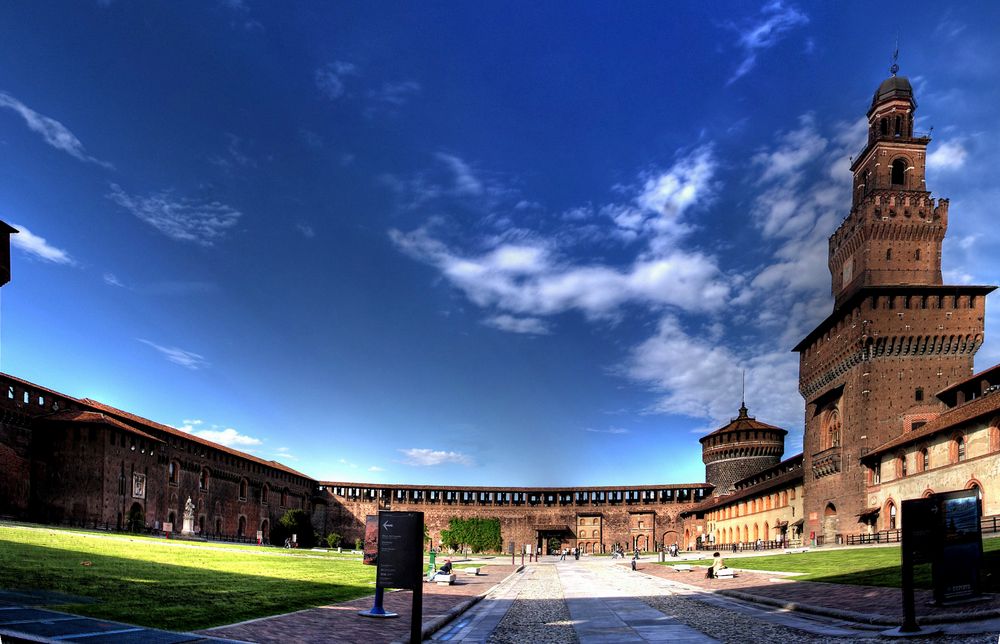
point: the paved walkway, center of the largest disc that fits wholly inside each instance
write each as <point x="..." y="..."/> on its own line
<point x="341" y="624"/>
<point x="874" y="604"/>
<point x="21" y="622"/>
<point x="606" y="610"/>
<point x="602" y="607"/>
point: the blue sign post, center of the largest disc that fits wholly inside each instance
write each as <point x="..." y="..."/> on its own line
<point x="371" y="559"/>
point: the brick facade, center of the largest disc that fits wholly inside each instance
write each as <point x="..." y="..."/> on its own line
<point x="639" y="516"/>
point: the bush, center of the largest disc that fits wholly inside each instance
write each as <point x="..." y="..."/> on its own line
<point x="333" y="540"/>
<point x="480" y="535"/>
<point x="358" y="543"/>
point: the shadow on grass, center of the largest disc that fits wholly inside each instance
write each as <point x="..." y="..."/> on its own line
<point x="180" y="596"/>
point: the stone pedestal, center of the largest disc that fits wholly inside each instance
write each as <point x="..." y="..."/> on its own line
<point x="188" y="526"/>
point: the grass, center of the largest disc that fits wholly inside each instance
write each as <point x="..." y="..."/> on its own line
<point x="861" y="566"/>
<point x="152" y="582"/>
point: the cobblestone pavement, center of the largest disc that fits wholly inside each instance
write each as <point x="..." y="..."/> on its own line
<point x="538" y="613"/>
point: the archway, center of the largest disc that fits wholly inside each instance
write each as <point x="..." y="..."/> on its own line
<point x="242" y="527"/>
<point x="265" y="527"/>
<point x="136" y="521"/>
<point x="640" y="543"/>
<point x="218" y="527"/>
<point x="830" y="524"/>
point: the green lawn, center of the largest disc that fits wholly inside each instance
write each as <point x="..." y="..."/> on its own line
<point x="860" y="566"/>
<point x="155" y="583"/>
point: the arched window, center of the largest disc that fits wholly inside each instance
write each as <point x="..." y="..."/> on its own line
<point x="241" y="528"/>
<point x="204" y="478"/>
<point x="902" y="467"/>
<point x="244" y="488"/>
<point x="284" y="498"/>
<point x="898" y="172"/>
<point x="888" y="253"/>
<point x="924" y="458"/>
<point x="831" y="434"/>
<point x="994" y="438"/>
<point x="883" y="127"/>
<point x="890" y="514"/>
<point x="918" y="394"/>
<point x="960" y="448"/>
<point x="264" y="493"/>
<point x="916" y="254"/>
<point x="172" y="471"/>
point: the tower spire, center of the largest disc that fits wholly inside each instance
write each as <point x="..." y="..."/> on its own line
<point x="743" y="395"/>
<point x="894" y="67"/>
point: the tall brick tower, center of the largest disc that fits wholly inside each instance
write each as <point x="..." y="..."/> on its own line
<point x="897" y="334"/>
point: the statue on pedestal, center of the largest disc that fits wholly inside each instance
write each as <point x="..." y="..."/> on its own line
<point x="188" y="517"/>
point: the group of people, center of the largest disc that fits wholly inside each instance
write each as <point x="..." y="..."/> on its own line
<point x="574" y="552"/>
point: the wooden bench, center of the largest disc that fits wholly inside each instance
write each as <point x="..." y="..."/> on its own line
<point x="472" y="572"/>
<point x="682" y="568"/>
<point x="445" y="580"/>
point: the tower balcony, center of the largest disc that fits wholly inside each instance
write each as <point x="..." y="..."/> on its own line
<point x="826" y="462"/>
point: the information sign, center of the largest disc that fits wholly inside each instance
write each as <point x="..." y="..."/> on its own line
<point x="956" y="571"/>
<point x="371" y="540"/>
<point x="400" y="549"/>
<point x="168" y="527"/>
<point x="510" y="548"/>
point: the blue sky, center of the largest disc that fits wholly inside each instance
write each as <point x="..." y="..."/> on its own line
<point x="459" y="243"/>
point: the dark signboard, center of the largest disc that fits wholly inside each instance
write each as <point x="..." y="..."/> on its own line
<point x="400" y="549"/>
<point x="920" y="532"/>
<point x="956" y="572"/>
<point x="371" y="540"/>
<point x="510" y="548"/>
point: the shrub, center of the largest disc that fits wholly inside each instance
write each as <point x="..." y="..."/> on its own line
<point x="333" y="540"/>
<point x="294" y="522"/>
<point x="480" y="535"/>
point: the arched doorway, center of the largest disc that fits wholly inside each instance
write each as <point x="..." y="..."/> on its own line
<point x="136" y="521"/>
<point x="830" y="524"/>
<point x="241" y="529"/>
<point x="265" y="528"/>
<point x="218" y="527"/>
<point x="640" y="543"/>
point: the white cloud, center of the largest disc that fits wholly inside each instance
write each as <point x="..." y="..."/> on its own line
<point x="55" y="133"/>
<point x="193" y="421"/>
<point x="775" y="21"/>
<point x="228" y="437"/>
<point x="466" y="181"/>
<point x="949" y="155"/>
<point x="708" y="384"/>
<point x="395" y="94"/>
<point x="224" y="436"/>
<point x="609" y="430"/>
<point x="330" y="79"/>
<point x="520" y="274"/>
<point x="423" y="457"/>
<point x="200" y="222"/>
<point x="305" y="230"/>
<point x="112" y="280"/>
<point x="376" y="468"/>
<point x="511" y="324"/>
<point x="37" y="246"/>
<point x="187" y="359"/>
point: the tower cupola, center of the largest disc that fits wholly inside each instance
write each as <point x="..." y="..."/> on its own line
<point x="740" y="449"/>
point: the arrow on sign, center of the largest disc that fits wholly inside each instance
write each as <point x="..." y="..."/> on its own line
<point x="386" y="525"/>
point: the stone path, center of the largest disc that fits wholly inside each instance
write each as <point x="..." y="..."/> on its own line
<point x="568" y="603"/>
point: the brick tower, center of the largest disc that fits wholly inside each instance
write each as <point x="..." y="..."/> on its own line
<point x="740" y="449"/>
<point x="897" y="335"/>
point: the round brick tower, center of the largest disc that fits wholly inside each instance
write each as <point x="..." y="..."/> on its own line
<point x="740" y="449"/>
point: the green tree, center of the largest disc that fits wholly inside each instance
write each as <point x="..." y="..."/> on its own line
<point x="480" y="535"/>
<point x="333" y="540"/>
